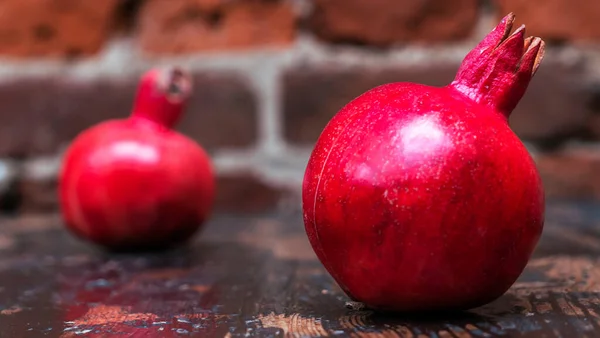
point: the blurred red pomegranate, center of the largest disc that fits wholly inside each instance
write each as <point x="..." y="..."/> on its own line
<point x="136" y="183"/>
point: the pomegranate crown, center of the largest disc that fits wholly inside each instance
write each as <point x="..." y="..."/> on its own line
<point x="162" y="95"/>
<point x="498" y="70"/>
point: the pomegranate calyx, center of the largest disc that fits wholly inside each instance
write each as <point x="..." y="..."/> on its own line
<point x="534" y="54"/>
<point x="498" y="70"/>
<point x="162" y="95"/>
<point x="175" y="83"/>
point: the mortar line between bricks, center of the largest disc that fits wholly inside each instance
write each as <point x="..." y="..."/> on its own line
<point x="267" y="92"/>
<point x="120" y="59"/>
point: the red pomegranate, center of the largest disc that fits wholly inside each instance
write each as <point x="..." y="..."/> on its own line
<point x="420" y="198"/>
<point x="135" y="183"/>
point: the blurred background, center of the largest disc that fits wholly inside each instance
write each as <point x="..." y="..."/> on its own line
<point x="269" y="75"/>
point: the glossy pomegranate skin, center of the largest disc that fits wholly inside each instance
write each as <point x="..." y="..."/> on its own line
<point x="135" y="184"/>
<point x="417" y="226"/>
<point x="419" y="198"/>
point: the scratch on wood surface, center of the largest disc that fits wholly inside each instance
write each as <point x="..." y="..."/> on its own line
<point x="546" y="285"/>
<point x="202" y="315"/>
<point x="404" y="331"/>
<point x="354" y="323"/>
<point x="459" y="332"/>
<point x="103" y="314"/>
<point x="568" y="307"/>
<point x="354" y="320"/>
<point x="543" y="307"/>
<point x="380" y="333"/>
<point x="357" y="323"/>
<point x="445" y="334"/>
<point x="199" y="288"/>
<point x="11" y="311"/>
<point x="390" y="333"/>
<point x="170" y="273"/>
<point x="587" y="304"/>
<point x="192" y="316"/>
<point x="294" y="324"/>
<point x="476" y="331"/>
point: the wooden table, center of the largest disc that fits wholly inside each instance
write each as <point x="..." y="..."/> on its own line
<point x="250" y="276"/>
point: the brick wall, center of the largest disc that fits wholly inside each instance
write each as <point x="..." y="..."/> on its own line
<point x="269" y="75"/>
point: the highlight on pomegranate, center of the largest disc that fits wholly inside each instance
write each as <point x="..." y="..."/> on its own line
<point x="134" y="183"/>
<point x="420" y="198"/>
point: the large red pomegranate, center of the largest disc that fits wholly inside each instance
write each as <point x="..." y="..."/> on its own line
<point x="135" y="183"/>
<point x="420" y="198"/>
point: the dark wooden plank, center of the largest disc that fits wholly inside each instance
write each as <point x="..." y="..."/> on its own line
<point x="257" y="276"/>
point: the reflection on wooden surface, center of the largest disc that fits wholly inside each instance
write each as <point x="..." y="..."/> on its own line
<point x="257" y="276"/>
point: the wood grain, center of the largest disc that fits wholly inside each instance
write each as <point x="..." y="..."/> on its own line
<point x="257" y="277"/>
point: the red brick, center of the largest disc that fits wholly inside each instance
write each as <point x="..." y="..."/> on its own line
<point x="556" y="19"/>
<point x="313" y="96"/>
<point x="54" y="27"/>
<point x="38" y="115"/>
<point x="554" y="108"/>
<point x="183" y="26"/>
<point x="383" y="22"/>
<point x="222" y="112"/>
